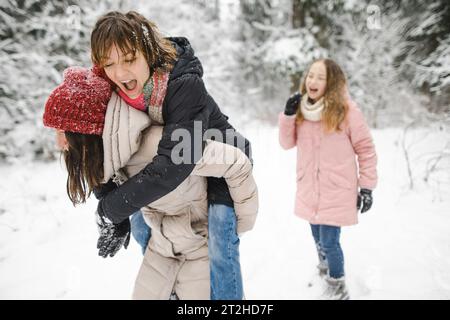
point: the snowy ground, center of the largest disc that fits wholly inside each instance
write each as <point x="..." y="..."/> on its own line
<point x="400" y="249"/>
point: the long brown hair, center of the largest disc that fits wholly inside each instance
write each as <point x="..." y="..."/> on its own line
<point x="84" y="162"/>
<point x="131" y="32"/>
<point x="335" y="104"/>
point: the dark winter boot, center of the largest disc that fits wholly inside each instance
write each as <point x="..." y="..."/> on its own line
<point x="336" y="289"/>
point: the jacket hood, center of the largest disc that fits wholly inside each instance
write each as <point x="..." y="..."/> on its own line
<point x="187" y="62"/>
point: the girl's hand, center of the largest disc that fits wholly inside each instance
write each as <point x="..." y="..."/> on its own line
<point x="292" y="104"/>
<point x="365" y="198"/>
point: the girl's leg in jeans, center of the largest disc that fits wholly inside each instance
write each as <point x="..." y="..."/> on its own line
<point x="323" y="265"/>
<point x="223" y="247"/>
<point x="329" y="241"/>
<point x="140" y="230"/>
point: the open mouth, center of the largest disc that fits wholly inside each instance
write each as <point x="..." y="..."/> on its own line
<point x="130" y="85"/>
<point x="313" y="90"/>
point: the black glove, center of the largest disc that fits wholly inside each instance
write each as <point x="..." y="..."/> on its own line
<point x="112" y="235"/>
<point x="103" y="189"/>
<point x="292" y="104"/>
<point x="364" y="197"/>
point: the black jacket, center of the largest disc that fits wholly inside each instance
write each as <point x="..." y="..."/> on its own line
<point x="186" y="102"/>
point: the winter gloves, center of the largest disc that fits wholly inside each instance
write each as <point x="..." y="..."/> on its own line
<point x="364" y="198"/>
<point x="112" y="235"/>
<point x="292" y="104"/>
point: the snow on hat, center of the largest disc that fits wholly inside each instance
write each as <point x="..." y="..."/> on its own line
<point x="79" y="103"/>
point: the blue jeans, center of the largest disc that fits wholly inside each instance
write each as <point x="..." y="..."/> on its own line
<point x="223" y="249"/>
<point x="329" y="248"/>
<point x="140" y="230"/>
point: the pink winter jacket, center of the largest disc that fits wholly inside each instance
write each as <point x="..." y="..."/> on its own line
<point x="327" y="172"/>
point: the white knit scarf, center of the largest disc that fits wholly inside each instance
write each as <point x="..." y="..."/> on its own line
<point x="311" y="112"/>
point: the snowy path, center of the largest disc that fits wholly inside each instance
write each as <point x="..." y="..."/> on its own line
<point x="400" y="249"/>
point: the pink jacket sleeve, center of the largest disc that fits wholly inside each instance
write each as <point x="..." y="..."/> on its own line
<point x="287" y="131"/>
<point x="364" y="148"/>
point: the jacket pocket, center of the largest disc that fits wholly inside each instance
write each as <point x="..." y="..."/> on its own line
<point x="191" y="228"/>
<point x="339" y="181"/>
<point x="178" y="230"/>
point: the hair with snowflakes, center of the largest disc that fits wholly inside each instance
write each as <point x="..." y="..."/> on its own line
<point x="131" y="32"/>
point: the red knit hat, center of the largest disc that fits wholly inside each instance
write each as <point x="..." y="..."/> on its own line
<point x="79" y="103"/>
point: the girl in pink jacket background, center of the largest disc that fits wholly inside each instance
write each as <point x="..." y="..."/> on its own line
<point x="336" y="163"/>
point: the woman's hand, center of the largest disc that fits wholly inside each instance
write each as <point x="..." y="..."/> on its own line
<point x="112" y="235"/>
